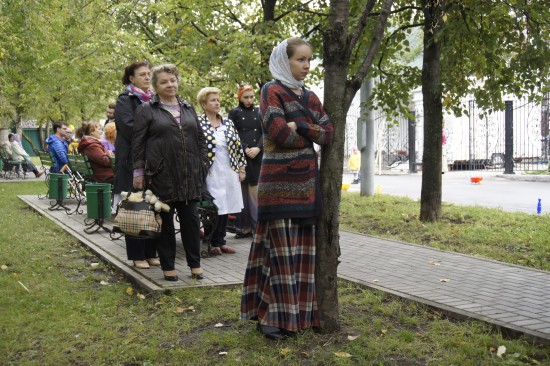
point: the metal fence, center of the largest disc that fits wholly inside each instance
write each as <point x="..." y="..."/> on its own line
<point x="472" y="142"/>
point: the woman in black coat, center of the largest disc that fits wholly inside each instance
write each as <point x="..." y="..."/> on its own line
<point x="137" y="78"/>
<point x="170" y="157"/>
<point x="246" y="118"/>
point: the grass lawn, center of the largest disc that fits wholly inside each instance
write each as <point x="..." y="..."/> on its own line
<point x="60" y="305"/>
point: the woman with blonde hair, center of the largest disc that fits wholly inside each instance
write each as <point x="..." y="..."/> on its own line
<point x="228" y="165"/>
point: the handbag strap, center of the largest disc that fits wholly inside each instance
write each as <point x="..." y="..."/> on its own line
<point x="302" y="101"/>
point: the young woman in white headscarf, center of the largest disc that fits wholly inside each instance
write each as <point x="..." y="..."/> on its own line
<point x="279" y="284"/>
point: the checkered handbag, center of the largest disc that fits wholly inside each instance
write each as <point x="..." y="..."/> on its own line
<point x="137" y="219"/>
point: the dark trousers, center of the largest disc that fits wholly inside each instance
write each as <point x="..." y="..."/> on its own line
<point x="138" y="249"/>
<point x="218" y="236"/>
<point x="190" y="236"/>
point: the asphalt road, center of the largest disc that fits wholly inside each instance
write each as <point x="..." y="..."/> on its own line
<point x="511" y="194"/>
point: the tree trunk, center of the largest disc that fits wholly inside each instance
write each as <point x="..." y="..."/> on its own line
<point x="332" y="156"/>
<point x="430" y="199"/>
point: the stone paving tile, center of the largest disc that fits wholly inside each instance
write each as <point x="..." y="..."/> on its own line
<point x="514" y="297"/>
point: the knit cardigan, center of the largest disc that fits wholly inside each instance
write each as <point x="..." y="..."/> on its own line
<point x="289" y="184"/>
<point x="236" y="154"/>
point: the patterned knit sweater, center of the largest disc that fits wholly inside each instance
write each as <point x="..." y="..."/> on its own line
<point x="289" y="179"/>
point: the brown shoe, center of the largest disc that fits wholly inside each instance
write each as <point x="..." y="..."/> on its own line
<point x="227" y="249"/>
<point x="38" y="174"/>
<point x="215" y="251"/>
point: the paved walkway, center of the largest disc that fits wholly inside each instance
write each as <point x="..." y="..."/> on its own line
<point x="512" y="297"/>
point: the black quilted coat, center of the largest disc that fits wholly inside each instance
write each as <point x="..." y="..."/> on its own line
<point x="173" y="155"/>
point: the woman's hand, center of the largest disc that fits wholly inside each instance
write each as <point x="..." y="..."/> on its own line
<point x="252" y="152"/>
<point x="292" y="125"/>
<point x="138" y="182"/>
<point x="242" y="175"/>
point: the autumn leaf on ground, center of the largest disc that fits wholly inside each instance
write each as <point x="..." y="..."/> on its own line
<point x="4" y="267"/>
<point x="180" y="310"/>
<point x="130" y="291"/>
<point x="352" y="338"/>
<point x="383" y="332"/>
<point x="434" y="263"/>
<point x="285" y="351"/>
<point x="104" y="283"/>
<point x="501" y="350"/>
<point x="94" y="264"/>
<point x="178" y="299"/>
<point x="140" y="296"/>
<point x="219" y="325"/>
<point x="222" y="353"/>
<point x="342" y="354"/>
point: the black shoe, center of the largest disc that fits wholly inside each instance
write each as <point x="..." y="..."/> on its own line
<point x="274" y="333"/>
<point x="241" y="235"/>
<point x="355" y="181"/>
<point x="171" y="278"/>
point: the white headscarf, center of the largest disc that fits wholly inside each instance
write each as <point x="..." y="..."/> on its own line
<point x="279" y="65"/>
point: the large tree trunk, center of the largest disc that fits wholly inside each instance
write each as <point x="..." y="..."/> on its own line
<point x="328" y="238"/>
<point x="430" y="199"/>
<point x="339" y="92"/>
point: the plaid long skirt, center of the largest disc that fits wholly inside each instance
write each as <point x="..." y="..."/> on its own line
<point x="279" y="283"/>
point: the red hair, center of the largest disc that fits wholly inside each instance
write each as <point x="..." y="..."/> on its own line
<point x="242" y="89"/>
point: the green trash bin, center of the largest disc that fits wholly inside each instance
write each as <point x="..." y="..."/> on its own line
<point x="98" y="200"/>
<point x="58" y="186"/>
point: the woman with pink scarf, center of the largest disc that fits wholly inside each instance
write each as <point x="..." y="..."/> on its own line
<point x="137" y="78"/>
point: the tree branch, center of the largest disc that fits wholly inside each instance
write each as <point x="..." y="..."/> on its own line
<point x="298" y="7"/>
<point x="399" y="10"/>
<point x="361" y="26"/>
<point x="388" y="40"/>
<point x="376" y="39"/>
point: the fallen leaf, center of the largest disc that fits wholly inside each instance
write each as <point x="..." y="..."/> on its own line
<point x="104" y="283"/>
<point x="159" y="303"/>
<point x="342" y="354"/>
<point x="374" y="280"/>
<point x="222" y="353"/>
<point x="183" y="310"/>
<point x="4" y="267"/>
<point x="94" y="264"/>
<point x="501" y="350"/>
<point x="130" y="291"/>
<point x="434" y="263"/>
<point x="352" y="338"/>
<point x="140" y="296"/>
<point x="285" y="351"/>
<point x="444" y="280"/>
<point x="177" y="299"/>
<point x="219" y="325"/>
